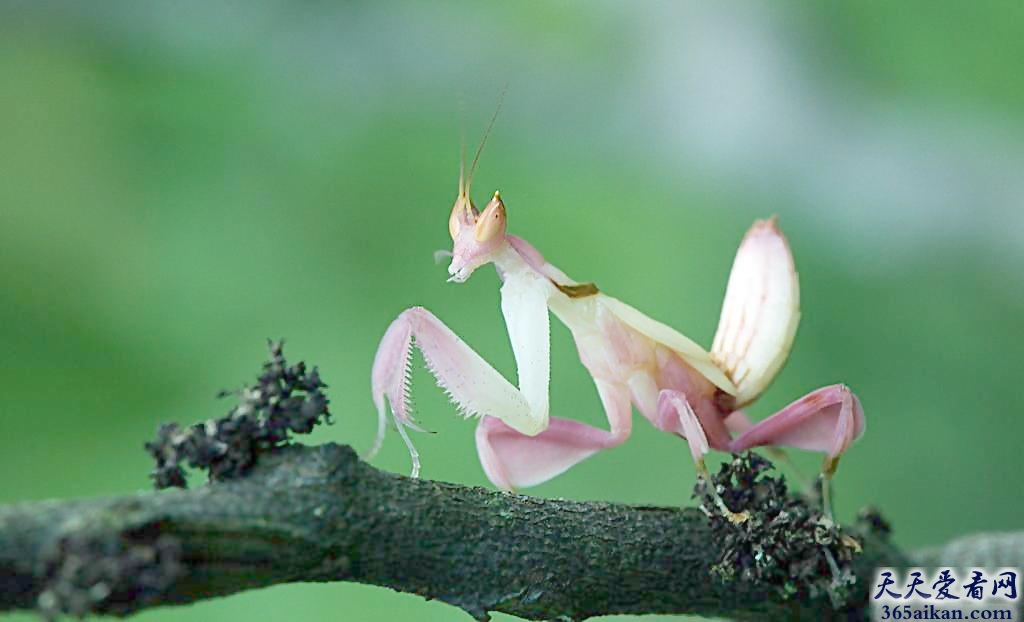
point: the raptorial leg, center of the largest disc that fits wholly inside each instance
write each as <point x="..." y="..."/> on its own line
<point x="514" y="460"/>
<point x="470" y="381"/>
<point x="390" y="381"/>
<point x="673" y="403"/>
<point x="826" y="420"/>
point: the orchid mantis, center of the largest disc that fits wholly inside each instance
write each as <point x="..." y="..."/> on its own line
<point x="635" y="361"/>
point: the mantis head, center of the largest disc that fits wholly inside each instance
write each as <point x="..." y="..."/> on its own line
<point x="477" y="237"/>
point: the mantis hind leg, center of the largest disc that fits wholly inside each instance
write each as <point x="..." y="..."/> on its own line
<point x="738" y="422"/>
<point x="827" y="420"/>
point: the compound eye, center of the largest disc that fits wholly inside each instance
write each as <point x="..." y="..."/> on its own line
<point x="491" y="223"/>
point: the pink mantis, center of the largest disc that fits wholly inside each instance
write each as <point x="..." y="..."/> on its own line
<point x="635" y="362"/>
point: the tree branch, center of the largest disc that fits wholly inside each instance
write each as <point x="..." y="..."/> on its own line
<point x="321" y="514"/>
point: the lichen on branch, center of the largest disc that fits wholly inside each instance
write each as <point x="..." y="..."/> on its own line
<point x="284" y="400"/>
<point x="787" y="541"/>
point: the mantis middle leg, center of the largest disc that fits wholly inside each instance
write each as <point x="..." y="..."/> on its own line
<point x="513" y="460"/>
<point x="827" y="420"/>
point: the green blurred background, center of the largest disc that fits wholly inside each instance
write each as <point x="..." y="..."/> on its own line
<point x="180" y="181"/>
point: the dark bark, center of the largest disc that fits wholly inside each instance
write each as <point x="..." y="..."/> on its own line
<point x="321" y="514"/>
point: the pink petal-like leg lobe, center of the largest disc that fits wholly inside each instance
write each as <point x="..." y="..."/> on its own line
<point x="513" y="460"/>
<point x="826" y="420"/>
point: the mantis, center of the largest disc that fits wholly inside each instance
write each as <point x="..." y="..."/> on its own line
<point x="635" y="361"/>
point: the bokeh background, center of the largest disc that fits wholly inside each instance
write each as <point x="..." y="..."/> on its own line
<point x="181" y="181"/>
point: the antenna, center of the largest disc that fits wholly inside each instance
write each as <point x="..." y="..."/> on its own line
<point x="479" y="150"/>
<point x="462" y="147"/>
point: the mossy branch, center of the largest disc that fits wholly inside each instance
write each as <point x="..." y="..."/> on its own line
<point x="278" y="513"/>
<point x="321" y="514"/>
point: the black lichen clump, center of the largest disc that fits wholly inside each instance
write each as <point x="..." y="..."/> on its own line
<point x="285" y="400"/>
<point x="785" y="542"/>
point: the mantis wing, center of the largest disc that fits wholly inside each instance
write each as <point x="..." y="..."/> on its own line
<point x="760" y="313"/>
<point x="694" y="355"/>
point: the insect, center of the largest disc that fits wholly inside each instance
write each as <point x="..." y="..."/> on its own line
<point x="635" y="361"/>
